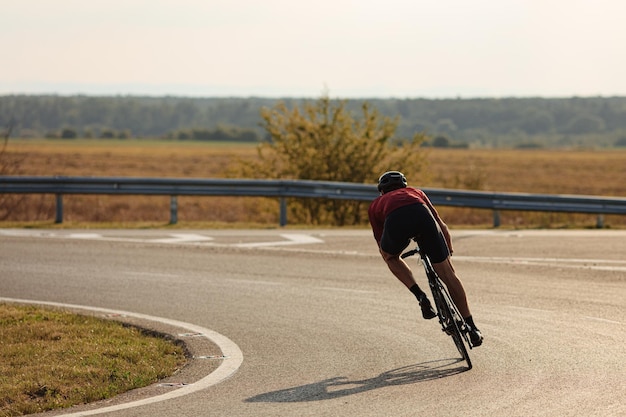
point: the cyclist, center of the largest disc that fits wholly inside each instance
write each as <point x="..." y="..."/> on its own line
<point x="401" y="213"/>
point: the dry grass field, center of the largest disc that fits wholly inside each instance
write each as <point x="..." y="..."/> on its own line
<point x="583" y="172"/>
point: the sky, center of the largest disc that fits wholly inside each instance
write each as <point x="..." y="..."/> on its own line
<point x="291" y="48"/>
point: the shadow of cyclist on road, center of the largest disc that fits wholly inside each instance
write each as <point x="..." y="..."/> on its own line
<point x="342" y="386"/>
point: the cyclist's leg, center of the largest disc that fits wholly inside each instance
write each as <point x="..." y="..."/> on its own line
<point x="393" y="241"/>
<point x="399" y="268"/>
<point x="446" y="272"/>
<point x="432" y="241"/>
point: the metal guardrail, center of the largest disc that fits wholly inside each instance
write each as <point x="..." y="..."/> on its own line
<point x="302" y="189"/>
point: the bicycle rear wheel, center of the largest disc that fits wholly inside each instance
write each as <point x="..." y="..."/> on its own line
<point x="449" y="317"/>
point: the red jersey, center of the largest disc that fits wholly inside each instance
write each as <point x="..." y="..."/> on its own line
<point x="382" y="206"/>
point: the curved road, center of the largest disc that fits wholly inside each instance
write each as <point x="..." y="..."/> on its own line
<point x="325" y="330"/>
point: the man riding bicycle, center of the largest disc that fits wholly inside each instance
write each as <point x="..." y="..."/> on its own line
<point x="402" y="213"/>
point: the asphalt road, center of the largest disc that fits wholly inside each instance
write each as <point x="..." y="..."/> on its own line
<point x="325" y="330"/>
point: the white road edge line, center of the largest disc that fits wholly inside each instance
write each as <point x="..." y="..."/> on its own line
<point x="511" y="259"/>
<point x="602" y="320"/>
<point x="233" y="357"/>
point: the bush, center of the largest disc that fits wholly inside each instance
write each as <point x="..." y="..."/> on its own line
<point x="68" y="133"/>
<point x="322" y="141"/>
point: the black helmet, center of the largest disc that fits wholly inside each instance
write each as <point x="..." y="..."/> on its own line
<point x="391" y="180"/>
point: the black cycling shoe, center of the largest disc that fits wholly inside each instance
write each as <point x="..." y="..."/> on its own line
<point x="476" y="337"/>
<point x="427" y="309"/>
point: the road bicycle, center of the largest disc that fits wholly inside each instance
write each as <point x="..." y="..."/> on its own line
<point x="451" y="320"/>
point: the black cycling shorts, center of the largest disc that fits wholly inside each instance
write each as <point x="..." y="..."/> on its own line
<point x="414" y="221"/>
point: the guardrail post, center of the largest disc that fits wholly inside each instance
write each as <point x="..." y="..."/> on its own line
<point x="173" y="209"/>
<point x="59" y="213"/>
<point x="600" y="221"/>
<point x="496" y="218"/>
<point x="283" y="212"/>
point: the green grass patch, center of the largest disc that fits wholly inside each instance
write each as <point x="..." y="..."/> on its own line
<point x="52" y="359"/>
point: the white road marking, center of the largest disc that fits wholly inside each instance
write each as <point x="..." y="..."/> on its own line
<point x="175" y="238"/>
<point x="348" y="290"/>
<point x="528" y="260"/>
<point x="233" y="357"/>
<point x="183" y="238"/>
<point x="292" y="239"/>
<point x="602" y="320"/>
<point x="85" y="236"/>
<point x="536" y="310"/>
<point x="251" y="282"/>
<point x="543" y="311"/>
<point x="303" y="239"/>
<point x="151" y="274"/>
<point x="595" y="264"/>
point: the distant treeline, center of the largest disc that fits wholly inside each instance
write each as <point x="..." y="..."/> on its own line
<point x="488" y="122"/>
